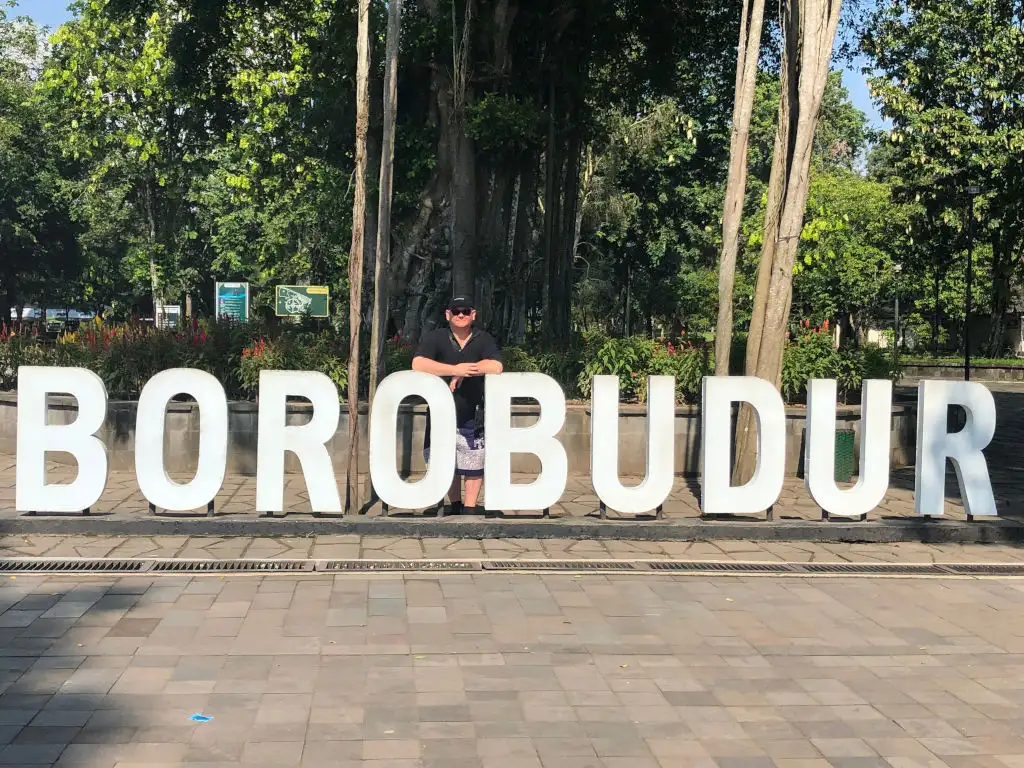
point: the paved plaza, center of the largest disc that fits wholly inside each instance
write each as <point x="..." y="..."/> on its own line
<point x="441" y="548"/>
<point x="511" y="670"/>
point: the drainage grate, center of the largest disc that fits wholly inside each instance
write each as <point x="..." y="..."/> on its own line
<point x="664" y="565"/>
<point x="71" y="565"/>
<point x="985" y="569"/>
<point x="234" y="566"/>
<point x="874" y="568"/>
<point x="398" y="565"/>
<point x="559" y="565"/>
<point x="270" y="566"/>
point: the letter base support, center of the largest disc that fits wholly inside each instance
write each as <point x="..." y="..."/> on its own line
<point x="210" y="510"/>
<point x="826" y="516"/>
<point x="769" y="515"/>
<point x="659" y="513"/>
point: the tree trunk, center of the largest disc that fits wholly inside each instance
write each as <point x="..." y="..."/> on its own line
<point x="552" y="197"/>
<point x="387" y="163"/>
<point x="7" y="303"/>
<point x="355" y="265"/>
<point x="567" y="244"/>
<point x="809" y="28"/>
<point x="735" y="191"/>
<point x="1002" y="273"/>
<point x="153" y="275"/>
<point x="463" y="165"/>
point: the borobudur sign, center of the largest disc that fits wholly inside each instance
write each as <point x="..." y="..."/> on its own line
<point x="935" y="444"/>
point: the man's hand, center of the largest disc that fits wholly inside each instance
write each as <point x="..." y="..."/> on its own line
<point x="462" y="370"/>
<point x="455" y="383"/>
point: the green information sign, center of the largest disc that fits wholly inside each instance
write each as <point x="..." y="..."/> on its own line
<point x="302" y="300"/>
<point x="231" y="301"/>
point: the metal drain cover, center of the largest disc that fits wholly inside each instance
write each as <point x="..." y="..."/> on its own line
<point x="719" y="567"/>
<point x="44" y="565"/>
<point x="234" y="566"/>
<point x="398" y="565"/>
<point x="71" y="565"/>
<point x="902" y="569"/>
<point x="986" y="569"/>
<point x="559" y="565"/>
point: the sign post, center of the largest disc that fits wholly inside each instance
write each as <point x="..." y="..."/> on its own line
<point x="231" y="302"/>
<point x="302" y="301"/>
<point x="168" y="316"/>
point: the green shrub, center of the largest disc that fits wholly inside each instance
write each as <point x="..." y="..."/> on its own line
<point x="812" y="355"/>
<point x="127" y="356"/>
<point x="636" y="358"/>
<point x="397" y="355"/>
<point x="300" y="352"/>
<point x="16" y="349"/>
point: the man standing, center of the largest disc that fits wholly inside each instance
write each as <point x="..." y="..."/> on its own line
<point x="462" y="355"/>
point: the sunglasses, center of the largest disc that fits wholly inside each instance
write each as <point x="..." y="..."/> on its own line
<point x="461" y="312"/>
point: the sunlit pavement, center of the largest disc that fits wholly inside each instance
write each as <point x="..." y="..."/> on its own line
<point x="511" y="670"/>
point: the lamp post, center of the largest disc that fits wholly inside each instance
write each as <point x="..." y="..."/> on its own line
<point x="972" y="191"/>
<point x="896" y="269"/>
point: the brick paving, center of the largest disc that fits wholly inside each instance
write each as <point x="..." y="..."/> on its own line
<point x="237" y="497"/>
<point x="504" y="670"/>
<point x="408" y="548"/>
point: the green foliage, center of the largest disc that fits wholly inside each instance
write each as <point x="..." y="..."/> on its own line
<point x="635" y="358"/>
<point x="503" y="124"/>
<point x="293" y="352"/>
<point x="948" y="75"/>
<point x="39" y="249"/>
<point x="852" y="237"/>
<point x="17" y="349"/>
<point x="127" y="356"/>
<point x="397" y="355"/>
<point x="812" y="355"/>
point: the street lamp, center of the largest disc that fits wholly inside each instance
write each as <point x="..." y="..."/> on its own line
<point x="973" y="191"/>
<point x="896" y="269"/>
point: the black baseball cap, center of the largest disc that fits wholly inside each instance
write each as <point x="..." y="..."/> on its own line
<point x="461" y="301"/>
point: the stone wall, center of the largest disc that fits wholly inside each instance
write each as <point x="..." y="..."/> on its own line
<point x="915" y="371"/>
<point x="181" y="438"/>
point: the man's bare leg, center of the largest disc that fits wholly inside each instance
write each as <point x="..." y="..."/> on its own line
<point x="473" y="486"/>
<point x="455" y="493"/>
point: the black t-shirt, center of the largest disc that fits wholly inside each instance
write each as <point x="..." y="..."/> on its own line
<point x="441" y="346"/>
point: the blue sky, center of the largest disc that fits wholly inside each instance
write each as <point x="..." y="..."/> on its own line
<point x="52" y="13"/>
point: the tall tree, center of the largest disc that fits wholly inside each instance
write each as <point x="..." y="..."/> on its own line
<point x="355" y="259"/>
<point x="808" y="32"/>
<point x="736" y="186"/>
<point x="382" y="262"/>
<point x="111" y="80"/>
<point x="39" y="248"/>
<point x="950" y="77"/>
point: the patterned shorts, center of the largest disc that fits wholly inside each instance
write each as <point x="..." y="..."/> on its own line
<point x="469" y="452"/>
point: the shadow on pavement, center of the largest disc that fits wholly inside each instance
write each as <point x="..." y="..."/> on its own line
<point x="74" y="692"/>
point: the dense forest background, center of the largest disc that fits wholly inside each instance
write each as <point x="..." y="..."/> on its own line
<point x="565" y="161"/>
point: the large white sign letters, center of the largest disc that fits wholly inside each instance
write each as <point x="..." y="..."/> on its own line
<point x="309" y="443"/>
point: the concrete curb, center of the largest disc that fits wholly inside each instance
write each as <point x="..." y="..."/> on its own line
<point x="922" y="530"/>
